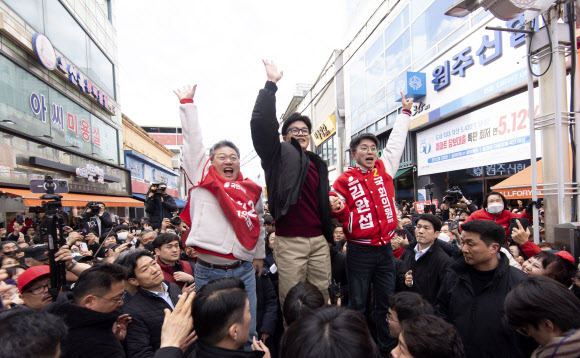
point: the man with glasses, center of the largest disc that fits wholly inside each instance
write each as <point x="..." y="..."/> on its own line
<point x="159" y="205"/>
<point x="369" y="194"/>
<point x="95" y="328"/>
<point x="33" y="285"/>
<point x="298" y="192"/>
<point x="224" y="210"/>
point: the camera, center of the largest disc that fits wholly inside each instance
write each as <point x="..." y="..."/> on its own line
<point x="335" y="292"/>
<point x="95" y="209"/>
<point x="453" y="195"/>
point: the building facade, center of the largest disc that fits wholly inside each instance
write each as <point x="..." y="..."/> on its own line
<point x="59" y="109"/>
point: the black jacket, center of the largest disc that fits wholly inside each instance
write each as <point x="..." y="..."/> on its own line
<point x="146" y="311"/>
<point x="428" y="271"/>
<point x="106" y="223"/>
<point x="480" y="318"/>
<point x="267" y="304"/>
<point x="158" y="210"/>
<point x="206" y="351"/>
<point x="90" y="333"/>
<point x="286" y="164"/>
<point x="400" y="271"/>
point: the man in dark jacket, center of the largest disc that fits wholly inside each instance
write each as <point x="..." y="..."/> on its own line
<point x="174" y="270"/>
<point x="298" y="191"/>
<point x="159" y="205"/>
<point x="473" y="292"/>
<point x="146" y="308"/>
<point x="97" y="217"/>
<point x="95" y="328"/>
<point x="426" y="261"/>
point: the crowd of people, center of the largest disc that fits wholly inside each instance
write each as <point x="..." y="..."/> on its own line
<point x="318" y="270"/>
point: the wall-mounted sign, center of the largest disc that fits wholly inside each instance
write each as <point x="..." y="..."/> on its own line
<point x="325" y="130"/>
<point x="90" y="172"/>
<point x="45" y="53"/>
<point x="159" y="177"/>
<point x="412" y="84"/>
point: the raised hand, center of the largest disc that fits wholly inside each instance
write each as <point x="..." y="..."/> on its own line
<point x="409" y="278"/>
<point x="120" y="326"/>
<point x="407" y="103"/>
<point x="519" y="235"/>
<point x="272" y="71"/>
<point x="185" y="92"/>
<point x="177" y="325"/>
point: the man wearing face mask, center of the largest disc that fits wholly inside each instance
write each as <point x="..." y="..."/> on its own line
<point x="122" y="232"/>
<point x="494" y="209"/>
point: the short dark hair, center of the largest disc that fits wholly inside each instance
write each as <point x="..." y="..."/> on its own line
<point x="129" y="260"/>
<point x="489" y="232"/>
<point x="268" y="219"/>
<point x="30" y="334"/>
<point x="301" y="300"/>
<point x="539" y="298"/>
<point x="332" y="331"/>
<point x="221" y="144"/>
<point x="430" y="336"/>
<point x="107" y="235"/>
<point x="218" y="305"/>
<point x="558" y="268"/>
<point x="98" y="280"/>
<point x="163" y="239"/>
<point x="409" y="305"/>
<point x="359" y="138"/>
<point x="434" y="220"/>
<point x="121" y="227"/>
<point x="4" y="243"/>
<point x="295" y="117"/>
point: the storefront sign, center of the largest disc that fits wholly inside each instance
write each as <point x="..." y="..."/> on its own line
<point x="46" y="54"/>
<point x="159" y="177"/>
<point x="325" y="130"/>
<point x="412" y="84"/>
<point x="420" y="205"/>
<point x="145" y="172"/>
<point x="497" y="133"/>
<point x="90" y="172"/>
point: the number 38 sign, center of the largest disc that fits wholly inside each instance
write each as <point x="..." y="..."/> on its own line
<point x="494" y="134"/>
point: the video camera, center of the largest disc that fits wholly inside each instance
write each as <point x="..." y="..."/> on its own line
<point x="453" y="195"/>
<point x="157" y="190"/>
<point x="94" y="207"/>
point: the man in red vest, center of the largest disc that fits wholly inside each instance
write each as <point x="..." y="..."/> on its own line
<point x="174" y="270"/>
<point x="369" y="194"/>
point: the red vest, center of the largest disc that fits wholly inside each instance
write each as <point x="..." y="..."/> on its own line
<point x="168" y="271"/>
<point x="370" y="198"/>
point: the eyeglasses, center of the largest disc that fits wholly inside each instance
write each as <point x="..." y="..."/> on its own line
<point x="37" y="290"/>
<point x="297" y="131"/>
<point x="366" y="149"/>
<point x="390" y="318"/>
<point x="232" y="158"/>
<point x="118" y="300"/>
<point x="523" y="331"/>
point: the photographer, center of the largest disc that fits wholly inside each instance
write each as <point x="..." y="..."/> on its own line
<point x="159" y="205"/>
<point x="454" y="199"/>
<point x="97" y="218"/>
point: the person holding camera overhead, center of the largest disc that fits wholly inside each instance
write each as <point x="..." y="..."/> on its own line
<point x="159" y="205"/>
<point x="97" y="218"/>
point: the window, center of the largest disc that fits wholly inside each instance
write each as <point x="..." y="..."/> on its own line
<point x="100" y="69"/>
<point x="375" y="76"/>
<point x="377" y="111"/>
<point x="398" y="55"/>
<point x="30" y="11"/>
<point x="327" y="150"/>
<point x="432" y="26"/>
<point x="397" y="26"/>
<point x="376" y="48"/>
<point x="105" y="5"/>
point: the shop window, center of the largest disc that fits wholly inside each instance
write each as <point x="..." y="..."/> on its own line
<point x="400" y="23"/>
<point x="375" y="76"/>
<point x="30" y="11"/>
<point x="327" y="151"/>
<point x="398" y="55"/>
<point x="432" y="26"/>
<point x="374" y="50"/>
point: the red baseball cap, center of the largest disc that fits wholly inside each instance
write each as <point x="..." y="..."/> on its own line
<point x="32" y="274"/>
<point x="565" y="255"/>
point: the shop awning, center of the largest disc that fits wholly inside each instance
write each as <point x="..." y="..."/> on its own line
<point x="180" y="203"/>
<point x="71" y="199"/>
<point x="519" y="185"/>
<point x="401" y="172"/>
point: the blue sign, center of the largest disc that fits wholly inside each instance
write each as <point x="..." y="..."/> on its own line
<point x="146" y="170"/>
<point x="413" y="85"/>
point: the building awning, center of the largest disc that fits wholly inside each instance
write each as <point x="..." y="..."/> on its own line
<point x="71" y="199"/>
<point x="180" y="203"/>
<point x="401" y="172"/>
<point x="519" y="185"/>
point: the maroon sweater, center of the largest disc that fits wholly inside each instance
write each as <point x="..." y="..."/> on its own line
<point x="303" y="218"/>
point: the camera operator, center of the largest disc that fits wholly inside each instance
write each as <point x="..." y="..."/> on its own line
<point x="97" y="218"/>
<point x="159" y="205"/>
<point x="454" y="199"/>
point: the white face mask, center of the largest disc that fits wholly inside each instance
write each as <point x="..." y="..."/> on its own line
<point x="443" y="236"/>
<point x="495" y="208"/>
<point x="122" y="235"/>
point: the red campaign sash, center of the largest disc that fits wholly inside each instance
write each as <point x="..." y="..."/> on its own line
<point x="237" y="200"/>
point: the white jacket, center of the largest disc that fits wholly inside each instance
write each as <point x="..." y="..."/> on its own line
<point x="210" y="228"/>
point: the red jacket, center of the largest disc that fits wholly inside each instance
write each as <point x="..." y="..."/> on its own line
<point x="530" y="249"/>
<point x="370" y="198"/>
<point x="168" y="271"/>
<point x="502" y="218"/>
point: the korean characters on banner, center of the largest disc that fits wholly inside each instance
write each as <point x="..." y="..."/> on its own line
<point x="91" y="172"/>
<point x="74" y="129"/>
<point x="494" y="134"/>
<point x="489" y="49"/>
<point x="420" y="205"/>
